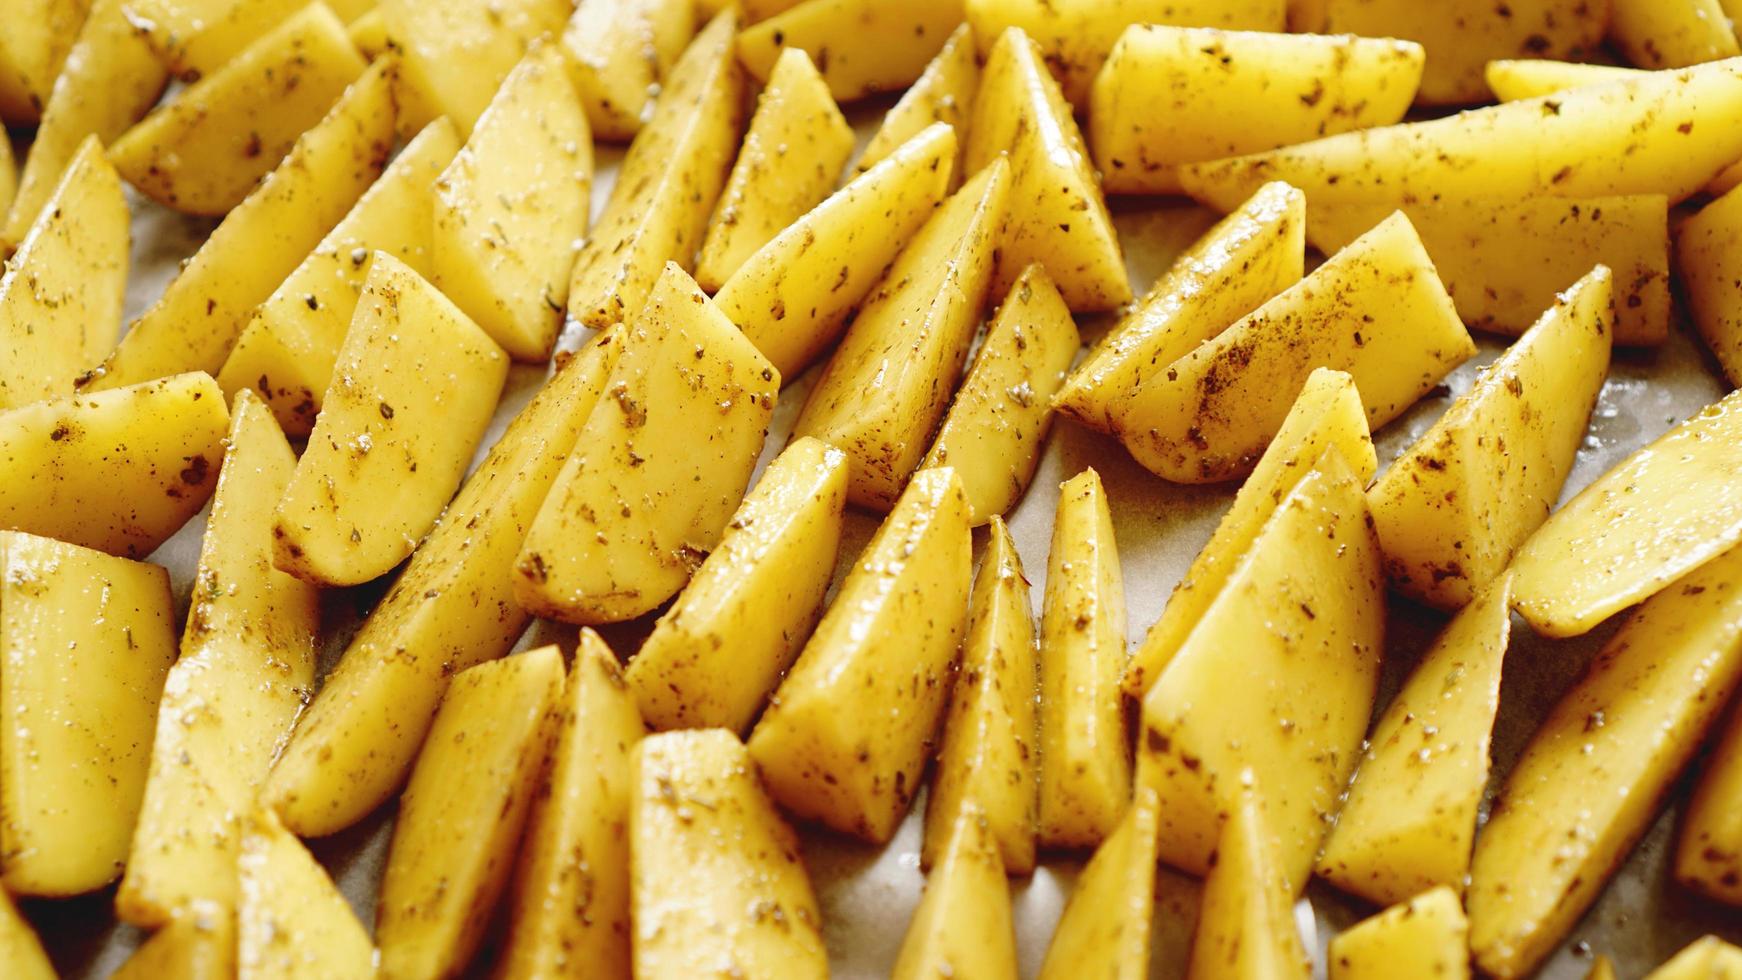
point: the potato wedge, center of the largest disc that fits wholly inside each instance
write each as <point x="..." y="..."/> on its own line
<point x="793" y="297"/>
<point x="1709" y="852"/>
<point x="199" y="948"/>
<point x="719" y="652"/>
<point x="862" y="47"/>
<point x="1630" y="724"/>
<point x="8" y="182"/>
<point x="1424" y="936"/>
<point x="293" y="923"/>
<point x="291" y="343"/>
<point x="85" y="639"/>
<point x="1170" y="95"/>
<point x="1246" y="928"/>
<point x="1706" y="958"/>
<point x="986" y="760"/>
<point x="369" y="34"/>
<point x="1601" y="969"/>
<point x="414" y="388"/>
<point x="119" y="471"/>
<point x="357" y="739"/>
<point x="1671" y="35"/>
<point x="660" y="467"/>
<point x="793" y="152"/>
<point x="889" y="382"/>
<point x="1253" y="254"/>
<point x="667" y="185"/>
<point x="203" y="152"/>
<point x="247" y="663"/>
<point x="1063" y="223"/>
<point x="1376" y="309"/>
<point x="61" y="292"/>
<point x="20" y="949"/>
<point x="1104" y="931"/>
<point x="461" y="815"/>
<point x="993" y="432"/>
<point x="715" y="870"/>
<point x="1290" y="651"/>
<point x="511" y="205"/>
<point x="198" y="37"/>
<point x="33" y="49"/>
<point x="1705" y="250"/>
<point x="944" y="93"/>
<point x="196" y="321"/>
<point x="1326" y="413"/>
<point x="847" y="735"/>
<point x="571" y="890"/>
<point x="619" y="51"/>
<point x="1408" y="819"/>
<point x="1455" y="506"/>
<point x="1513" y="79"/>
<point x="456" y="52"/>
<point x="962" y="927"/>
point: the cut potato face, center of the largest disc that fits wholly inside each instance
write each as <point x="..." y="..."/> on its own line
<point x="369" y="33"/>
<point x="1671" y="35"/>
<point x="797" y="143"/>
<point x="1246" y="928"/>
<point x="61" y="292"/>
<point x="862" y="47"/>
<point x="1104" y="931"/>
<point x="1707" y="263"/>
<point x="85" y="640"/>
<point x="943" y="94"/>
<point x="1425" y="936"/>
<point x="618" y="53"/>
<point x="849" y="732"/>
<point x="118" y="471"/>
<point x="199" y="948"/>
<point x="793" y="297"/>
<point x="293" y="923"/>
<point x="716" y="872"/>
<point x="1170" y="95"/>
<point x="457" y="52"/>
<point x="197" y="37"/>
<point x="20" y="949"/>
<point x="889" y="382"/>
<point x="1630" y="724"/>
<point x="1526" y="78"/>
<point x="203" y="152"/>
<point x="451" y="608"/>
<point x="716" y="655"/>
<point x="512" y="205"/>
<point x="39" y="34"/>
<point x="196" y="321"/>
<point x="1707" y="956"/>
<point x="962" y="927"/>
<point x="1709" y="853"/>
<point x="661" y="466"/>
<point x="667" y="185"/>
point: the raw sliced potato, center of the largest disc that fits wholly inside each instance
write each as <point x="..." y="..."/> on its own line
<point x="85" y="641"/>
<point x="1246" y="928"/>
<point x="1063" y="221"/>
<point x="1455" y="506"/>
<point x="204" y="151"/>
<point x="1170" y="95"/>
<point x="369" y="34"/>
<point x="571" y="887"/>
<point x="511" y="206"/>
<point x="1652" y="34"/>
<point x="111" y="78"/>
<point x="793" y="152"/>
<point x="719" y="652"/>
<point x="119" y="471"/>
<point x="1601" y="969"/>
<point x="1104" y="930"/>
<point x="994" y="430"/>
<point x="619" y="51"/>
<point x="8" y="183"/>
<point x="1326" y="413"/>
<point x="1408" y="820"/>
<point x="1526" y="78"/>
<point x="1628" y="726"/>
<point x="1660" y="513"/>
<point x="292" y="922"/>
<point x="1706" y="958"/>
<point x="456" y="52"/>
<point x="413" y="390"/>
<point x="1376" y="309"/>
<point x="986" y="760"/>
<point x="451" y="608"/>
<point x="20" y="949"/>
<point x="197" y="37"/>
<point x="1424" y="936"/>
<point x="247" y="663"/>
<point x="943" y="94"/>
<point x="667" y="185"/>
<point x="716" y="875"/>
<point x="1085" y="761"/>
<point x="61" y="292"/>
<point x="1289" y="655"/>
<point x="1706" y="258"/>
<point x="1253" y="254"/>
<point x="862" y="47"/>
<point x="460" y="819"/>
<point x="1709" y="852"/>
<point x="1076" y="35"/>
<point x="846" y="737"/>
<point x="794" y="296"/>
<point x="660" y="467"/>
<point x="196" y="321"/>
<point x="33" y="49"/>
<point x="889" y="382"/>
<point x="962" y="927"/>
<point x="202" y="947"/>
<point x="288" y="350"/>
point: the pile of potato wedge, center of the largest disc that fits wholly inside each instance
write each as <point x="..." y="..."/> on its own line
<point x="893" y="214"/>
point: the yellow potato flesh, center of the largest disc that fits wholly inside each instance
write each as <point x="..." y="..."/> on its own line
<point x="962" y="927"/>
<point x="456" y="52"/>
<point x="1104" y="930"/>
<point x="293" y="924"/>
<point x="943" y="94"/>
<point x="862" y="47"/>
<point x="1671" y="35"/>
<point x="1246" y="928"/>
<point x="619" y="51"/>
<point x="33" y="48"/>
<point x="1424" y="936"/>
